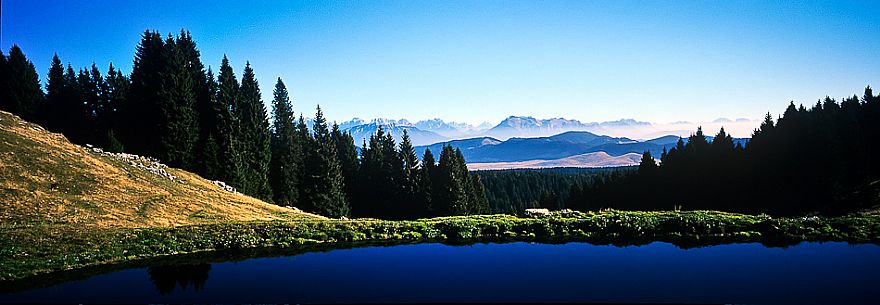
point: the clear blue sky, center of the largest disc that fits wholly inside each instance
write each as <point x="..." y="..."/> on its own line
<point x="477" y="61"/>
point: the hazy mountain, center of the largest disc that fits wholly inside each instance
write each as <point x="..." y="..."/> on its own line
<point x="572" y="143"/>
<point x="517" y="126"/>
<point x="488" y="149"/>
<point x="435" y="130"/>
<point x="588" y="160"/>
<point x="451" y="129"/>
<point x="360" y="133"/>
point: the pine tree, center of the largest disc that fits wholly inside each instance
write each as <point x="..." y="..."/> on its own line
<point x="284" y="171"/>
<point x="117" y="85"/>
<point x="408" y="204"/>
<point x="480" y="204"/>
<point x="22" y="93"/>
<point x="178" y="125"/>
<point x="141" y="112"/>
<point x="53" y="113"/>
<point x="451" y="191"/>
<point x="346" y="153"/>
<point x="255" y="136"/>
<point x="227" y="130"/>
<point x="323" y="175"/>
<point x="647" y="165"/>
<point x="427" y="181"/>
<point x="90" y="94"/>
<point x="73" y="115"/>
<point x="211" y="115"/>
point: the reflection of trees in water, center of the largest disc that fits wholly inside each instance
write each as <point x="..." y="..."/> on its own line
<point x="167" y="277"/>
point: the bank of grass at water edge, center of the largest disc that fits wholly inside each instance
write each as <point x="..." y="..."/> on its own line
<point x="36" y="250"/>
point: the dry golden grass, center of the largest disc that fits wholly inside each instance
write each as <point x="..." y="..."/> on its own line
<point x="46" y="180"/>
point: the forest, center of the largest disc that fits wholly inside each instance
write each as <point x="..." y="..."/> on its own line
<point x="174" y="109"/>
<point x="513" y="191"/>
<point x="821" y="159"/>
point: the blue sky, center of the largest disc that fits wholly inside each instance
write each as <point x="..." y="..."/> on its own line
<point x="476" y="61"/>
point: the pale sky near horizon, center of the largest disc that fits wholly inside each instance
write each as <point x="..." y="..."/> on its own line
<point x="476" y="61"/>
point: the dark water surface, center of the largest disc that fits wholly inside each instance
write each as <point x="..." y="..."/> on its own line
<point x="827" y="273"/>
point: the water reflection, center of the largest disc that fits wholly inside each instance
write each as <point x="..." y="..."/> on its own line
<point x="166" y="278"/>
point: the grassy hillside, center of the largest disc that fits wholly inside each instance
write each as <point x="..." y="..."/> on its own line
<point x="47" y="181"/>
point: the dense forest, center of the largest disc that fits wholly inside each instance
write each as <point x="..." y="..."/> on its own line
<point x="817" y="160"/>
<point x="513" y="191"/>
<point x="174" y="109"/>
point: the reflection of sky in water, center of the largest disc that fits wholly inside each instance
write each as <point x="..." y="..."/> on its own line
<point x="659" y="272"/>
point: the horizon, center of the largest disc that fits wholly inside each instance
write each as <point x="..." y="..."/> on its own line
<point x="393" y="59"/>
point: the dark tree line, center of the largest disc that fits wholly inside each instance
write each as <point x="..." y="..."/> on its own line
<point x="821" y="159"/>
<point x="174" y="109"/>
<point x="513" y="191"/>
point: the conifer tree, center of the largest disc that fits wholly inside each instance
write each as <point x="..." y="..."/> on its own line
<point x="427" y="182"/>
<point x="211" y="116"/>
<point x="73" y="117"/>
<point x="117" y="85"/>
<point x="90" y="95"/>
<point x="480" y="203"/>
<point x="22" y="94"/>
<point x="346" y="153"/>
<point x="408" y="204"/>
<point x="647" y="165"/>
<point x="323" y="182"/>
<point x="226" y="130"/>
<point x="141" y="112"/>
<point x="53" y="113"/>
<point x="254" y="136"/>
<point x="5" y="84"/>
<point x="284" y="170"/>
<point x="452" y="191"/>
<point x="103" y="112"/>
<point x="177" y="117"/>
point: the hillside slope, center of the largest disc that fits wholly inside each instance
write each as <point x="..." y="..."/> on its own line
<point x="46" y="180"/>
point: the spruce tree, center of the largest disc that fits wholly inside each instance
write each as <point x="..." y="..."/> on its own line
<point x="177" y="119"/>
<point x="211" y="115"/>
<point x="53" y="113"/>
<point x="325" y="189"/>
<point x="73" y="115"/>
<point x="427" y="182"/>
<point x="23" y="95"/>
<point x="117" y="85"/>
<point x="89" y="93"/>
<point x="255" y="137"/>
<point x="346" y="153"/>
<point x="284" y="171"/>
<point x="480" y="204"/>
<point x="409" y="185"/>
<point x="647" y="165"/>
<point x="141" y="132"/>
<point x="452" y="191"/>
<point x="226" y="132"/>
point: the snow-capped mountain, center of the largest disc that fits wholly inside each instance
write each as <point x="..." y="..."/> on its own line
<point x="436" y="130"/>
<point x="451" y="129"/>
<point x="362" y="132"/>
<point x="518" y="126"/>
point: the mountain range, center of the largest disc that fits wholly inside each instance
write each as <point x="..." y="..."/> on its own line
<point x="560" y="146"/>
<point x="436" y="130"/>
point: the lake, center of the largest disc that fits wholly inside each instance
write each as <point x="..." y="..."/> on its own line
<point x="829" y="273"/>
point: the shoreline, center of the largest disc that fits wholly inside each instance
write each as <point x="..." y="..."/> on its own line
<point x="39" y="252"/>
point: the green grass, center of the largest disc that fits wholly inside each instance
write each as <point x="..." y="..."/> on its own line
<point x="41" y="249"/>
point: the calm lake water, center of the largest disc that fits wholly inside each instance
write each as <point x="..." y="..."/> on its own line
<point x="829" y="273"/>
